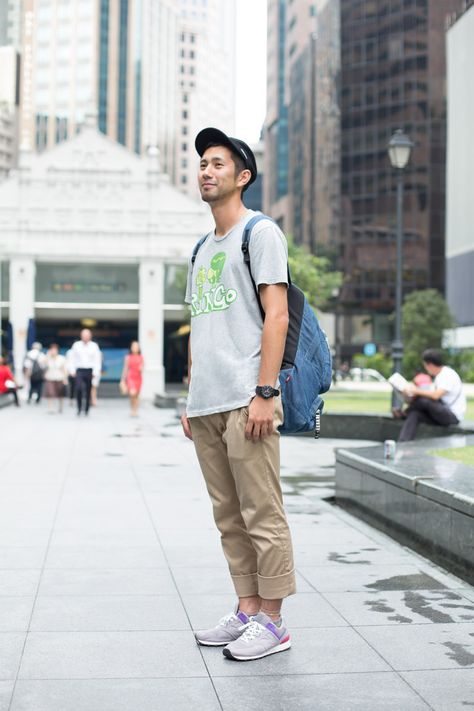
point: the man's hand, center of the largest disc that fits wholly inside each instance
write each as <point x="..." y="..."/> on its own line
<point x="186" y="427"/>
<point x="410" y="390"/>
<point x="260" y="422"/>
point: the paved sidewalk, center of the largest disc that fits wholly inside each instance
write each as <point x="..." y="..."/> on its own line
<point x="109" y="558"/>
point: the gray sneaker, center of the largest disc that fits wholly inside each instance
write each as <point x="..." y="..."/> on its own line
<point x="227" y="630"/>
<point x="260" y="638"/>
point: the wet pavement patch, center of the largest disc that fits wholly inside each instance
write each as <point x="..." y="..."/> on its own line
<point x="421" y="605"/>
<point x="344" y="558"/>
<point x="459" y="653"/>
<point x="417" y="581"/>
<point x="381" y="606"/>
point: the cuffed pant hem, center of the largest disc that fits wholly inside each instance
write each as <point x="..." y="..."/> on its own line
<point x="245" y="585"/>
<point x="277" y="587"/>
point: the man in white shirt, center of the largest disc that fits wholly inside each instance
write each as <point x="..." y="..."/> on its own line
<point x="85" y="365"/>
<point x="444" y="405"/>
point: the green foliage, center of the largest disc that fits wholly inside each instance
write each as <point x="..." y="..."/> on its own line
<point x="463" y="363"/>
<point x="425" y="316"/>
<point x="380" y="362"/>
<point x="312" y="274"/>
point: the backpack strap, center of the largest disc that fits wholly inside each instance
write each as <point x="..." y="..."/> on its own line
<point x="197" y="247"/>
<point x="246" y="252"/>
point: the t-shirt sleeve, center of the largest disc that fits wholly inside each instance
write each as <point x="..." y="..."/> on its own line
<point x="447" y="380"/>
<point x="268" y="254"/>
<point x="189" y="284"/>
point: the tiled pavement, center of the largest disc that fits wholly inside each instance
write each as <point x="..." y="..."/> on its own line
<point x="109" y="558"/>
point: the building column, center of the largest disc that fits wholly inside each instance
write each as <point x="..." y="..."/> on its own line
<point x="151" y="326"/>
<point x="22" y="307"/>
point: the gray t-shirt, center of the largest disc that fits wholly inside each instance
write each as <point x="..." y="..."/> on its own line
<point x="226" y="324"/>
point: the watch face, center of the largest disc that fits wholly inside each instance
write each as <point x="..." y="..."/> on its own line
<point x="265" y="391"/>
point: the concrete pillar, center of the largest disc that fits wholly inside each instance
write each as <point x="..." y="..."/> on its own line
<point x="22" y="307"/>
<point x="151" y="325"/>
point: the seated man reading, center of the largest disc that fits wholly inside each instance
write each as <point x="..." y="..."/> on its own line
<point x="444" y="405"/>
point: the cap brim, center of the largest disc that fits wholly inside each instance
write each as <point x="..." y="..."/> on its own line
<point x="211" y="135"/>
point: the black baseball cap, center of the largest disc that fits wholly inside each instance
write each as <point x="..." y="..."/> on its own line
<point x="209" y="136"/>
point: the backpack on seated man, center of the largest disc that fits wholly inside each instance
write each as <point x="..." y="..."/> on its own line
<point x="306" y="370"/>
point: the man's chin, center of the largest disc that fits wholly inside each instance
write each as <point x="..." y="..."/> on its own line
<point x="207" y="197"/>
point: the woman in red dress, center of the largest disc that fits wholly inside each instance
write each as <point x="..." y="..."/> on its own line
<point x="131" y="380"/>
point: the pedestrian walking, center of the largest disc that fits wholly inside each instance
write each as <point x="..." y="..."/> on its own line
<point x="86" y="365"/>
<point x="70" y="377"/>
<point x="444" y="405"/>
<point x="7" y="381"/>
<point x="55" y="378"/>
<point x="132" y="376"/>
<point x="234" y="409"/>
<point x="33" y="368"/>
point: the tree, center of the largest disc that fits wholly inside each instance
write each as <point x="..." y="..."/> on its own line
<point x="425" y="315"/>
<point x="312" y="274"/>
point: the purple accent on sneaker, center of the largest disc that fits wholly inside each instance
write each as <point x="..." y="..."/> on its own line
<point x="275" y="630"/>
<point x="243" y="617"/>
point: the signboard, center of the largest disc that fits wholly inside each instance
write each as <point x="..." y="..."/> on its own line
<point x="370" y="349"/>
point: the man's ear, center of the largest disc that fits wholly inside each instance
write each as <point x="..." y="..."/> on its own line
<point x="244" y="178"/>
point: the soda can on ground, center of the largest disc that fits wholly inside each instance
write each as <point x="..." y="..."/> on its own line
<point x="389" y="448"/>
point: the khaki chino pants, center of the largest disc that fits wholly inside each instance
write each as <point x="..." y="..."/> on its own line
<point x="243" y="481"/>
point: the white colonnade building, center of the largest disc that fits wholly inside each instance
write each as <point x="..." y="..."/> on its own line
<point x="92" y="234"/>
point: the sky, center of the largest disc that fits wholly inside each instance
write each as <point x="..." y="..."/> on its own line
<point x="251" y="68"/>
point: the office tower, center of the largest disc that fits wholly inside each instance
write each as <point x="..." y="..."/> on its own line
<point x="313" y="67"/>
<point x="10" y="23"/>
<point x="460" y="177"/>
<point x="275" y="190"/>
<point x="9" y="108"/>
<point x="114" y="59"/>
<point x="392" y="76"/>
<point x="302" y="187"/>
<point x="342" y="77"/>
<point x="206" y="79"/>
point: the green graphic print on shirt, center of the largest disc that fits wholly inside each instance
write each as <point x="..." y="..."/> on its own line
<point x="215" y="298"/>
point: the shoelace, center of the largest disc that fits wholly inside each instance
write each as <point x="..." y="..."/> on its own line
<point x="252" y="630"/>
<point x="224" y="621"/>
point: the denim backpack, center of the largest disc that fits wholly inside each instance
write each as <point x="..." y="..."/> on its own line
<point x="306" y="370"/>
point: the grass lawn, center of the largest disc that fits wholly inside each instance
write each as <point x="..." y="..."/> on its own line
<point x="464" y="455"/>
<point x="370" y="402"/>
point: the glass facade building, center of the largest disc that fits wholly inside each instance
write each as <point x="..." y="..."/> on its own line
<point x="392" y="76"/>
<point x="276" y="122"/>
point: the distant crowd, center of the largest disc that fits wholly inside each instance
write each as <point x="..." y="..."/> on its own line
<point x="75" y="375"/>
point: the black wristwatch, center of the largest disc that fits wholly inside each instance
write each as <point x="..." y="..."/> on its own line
<point x="266" y="391"/>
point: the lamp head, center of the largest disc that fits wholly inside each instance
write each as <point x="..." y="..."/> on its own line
<point x="399" y="149"/>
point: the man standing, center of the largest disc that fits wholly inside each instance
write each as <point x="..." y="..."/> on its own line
<point x="444" y="405"/>
<point x="234" y="408"/>
<point x="85" y="366"/>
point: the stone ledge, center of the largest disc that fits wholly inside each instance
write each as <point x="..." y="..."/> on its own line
<point x="423" y="501"/>
<point x="379" y="428"/>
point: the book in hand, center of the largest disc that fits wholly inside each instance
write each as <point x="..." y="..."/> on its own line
<point x="398" y="382"/>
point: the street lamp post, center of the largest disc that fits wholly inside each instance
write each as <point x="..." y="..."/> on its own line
<point x="399" y="149"/>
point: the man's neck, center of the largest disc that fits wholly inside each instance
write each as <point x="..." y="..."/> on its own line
<point x="227" y="214"/>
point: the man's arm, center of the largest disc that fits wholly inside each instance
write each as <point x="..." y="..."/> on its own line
<point x="184" y="419"/>
<point x="274" y="299"/>
<point x="413" y="391"/>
